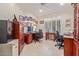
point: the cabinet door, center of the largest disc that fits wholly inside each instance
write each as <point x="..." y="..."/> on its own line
<point x="15" y="49"/>
<point x="75" y="48"/>
<point x="68" y="46"/>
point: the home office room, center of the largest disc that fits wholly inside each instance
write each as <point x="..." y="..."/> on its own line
<point x="39" y="29"/>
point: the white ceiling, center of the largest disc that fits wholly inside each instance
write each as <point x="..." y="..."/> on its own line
<point x="48" y="9"/>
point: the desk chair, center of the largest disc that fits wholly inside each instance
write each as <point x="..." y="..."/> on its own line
<point x="59" y="40"/>
<point x="38" y="35"/>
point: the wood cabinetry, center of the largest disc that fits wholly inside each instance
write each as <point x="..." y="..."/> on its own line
<point x="75" y="48"/>
<point x="71" y="47"/>
<point x="76" y="31"/>
<point x="76" y="22"/>
<point x="28" y="38"/>
<point x="18" y="34"/>
<point x="50" y="36"/>
<point x="68" y="46"/>
<point x="21" y="37"/>
<point x="9" y="49"/>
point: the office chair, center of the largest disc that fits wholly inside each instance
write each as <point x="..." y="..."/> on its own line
<point x="38" y="35"/>
<point x="59" y="40"/>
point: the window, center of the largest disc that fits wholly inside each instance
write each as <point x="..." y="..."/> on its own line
<point x="58" y="25"/>
<point x="50" y="26"/>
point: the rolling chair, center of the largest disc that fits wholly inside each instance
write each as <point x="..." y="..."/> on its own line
<point x="59" y="40"/>
<point x="38" y="35"/>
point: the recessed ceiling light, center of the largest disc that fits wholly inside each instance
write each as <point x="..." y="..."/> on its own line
<point x="40" y="10"/>
<point x="61" y="4"/>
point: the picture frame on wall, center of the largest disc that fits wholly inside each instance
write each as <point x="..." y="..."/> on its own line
<point x="41" y="22"/>
<point x="68" y="23"/>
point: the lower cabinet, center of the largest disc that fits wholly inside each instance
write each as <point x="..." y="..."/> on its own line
<point x="28" y="38"/>
<point x="50" y="36"/>
<point x="68" y="46"/>
<point x="9" y="49"/>
<point x="15" y="49"/>
<point x="71" y="47"/>
<point x="75" y="48"/>
<point x="20" y="46"/>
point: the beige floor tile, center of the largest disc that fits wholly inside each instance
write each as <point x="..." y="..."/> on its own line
<point x="45" y="48"/>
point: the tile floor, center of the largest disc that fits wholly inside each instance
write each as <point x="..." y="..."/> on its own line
<point x="45" y="48"/>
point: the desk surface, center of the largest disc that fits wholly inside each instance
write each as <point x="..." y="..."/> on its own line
<point x="65" y="36"/>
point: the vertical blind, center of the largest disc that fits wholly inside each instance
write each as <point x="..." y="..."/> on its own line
<point x="52" y="25"/>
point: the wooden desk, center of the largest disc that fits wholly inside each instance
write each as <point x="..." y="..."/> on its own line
<point x="50" y="35"/>
<point x="68" y="45"/>
<point x="28" y="38"/>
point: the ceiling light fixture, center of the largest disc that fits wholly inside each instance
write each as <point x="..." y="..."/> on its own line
<point x="61" y="4"/>
<point x="40" y="10"/>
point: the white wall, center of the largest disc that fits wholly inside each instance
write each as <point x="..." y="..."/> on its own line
<point x="65" y="29"/>
<point x="7" y="11"/>
<point x="62" y="18"/>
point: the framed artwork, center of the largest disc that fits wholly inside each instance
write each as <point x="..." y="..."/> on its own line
<point x="42" y="22"/>
<point x="68" y="23"/>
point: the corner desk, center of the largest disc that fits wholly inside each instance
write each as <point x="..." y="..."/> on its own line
<point x="50" y="36"/>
